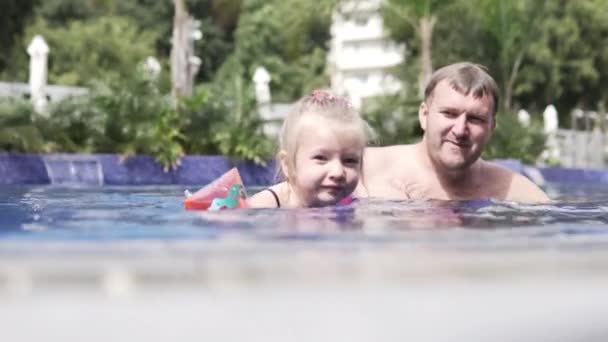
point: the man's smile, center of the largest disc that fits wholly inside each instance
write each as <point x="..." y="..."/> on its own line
<point x="460" y="144"/>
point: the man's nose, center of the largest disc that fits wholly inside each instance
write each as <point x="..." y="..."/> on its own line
<point x="460" y="127"/>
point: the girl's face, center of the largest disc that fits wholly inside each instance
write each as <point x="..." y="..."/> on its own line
<point x="327" y="163"/>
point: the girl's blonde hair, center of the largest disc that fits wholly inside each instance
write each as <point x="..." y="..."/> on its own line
<point x="323" y="104"/>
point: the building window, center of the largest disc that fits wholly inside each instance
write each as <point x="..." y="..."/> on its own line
<point x="361" y="77"/>
<point x="361" y="20"/>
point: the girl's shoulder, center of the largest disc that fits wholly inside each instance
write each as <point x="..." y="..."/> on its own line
<point x="267" y="198"/>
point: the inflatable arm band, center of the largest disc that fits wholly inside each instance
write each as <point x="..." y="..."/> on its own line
<point x="226" y="192"/>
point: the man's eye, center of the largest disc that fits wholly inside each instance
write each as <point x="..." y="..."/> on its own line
<point x="476" y="120"/>
<point x="351" y="161"/>
<point x="449" y="114"/>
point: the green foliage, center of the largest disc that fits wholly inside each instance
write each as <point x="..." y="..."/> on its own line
<point x="132" y="117"/>
<point x="540" y="52"/>
<point x="221" y="119"/>
<point x="72" y="125"/>
<point x="119" y="117"/>
<point x="17" y="132"/>
<point x="218" y="21"/>
<point x="512" y="140"/>
<point x="291" y="46"/>
<point x="92" y="46"/>
<point x="509" y="30"/>
<point x="403" y="16"/>
<point x="58" y="12"/>
<point x="394" y="119"/>
<point x="137" y="120"/>
<point x="13" y="18"/>
<point x="166" y="143"/>
<point x="568" y="65"/>
<point x="413" y="22"/>
<point x="101" y="48"/>
<point x="239" y="135"/>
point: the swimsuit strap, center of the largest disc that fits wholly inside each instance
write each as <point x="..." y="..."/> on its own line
<point x="347" y="200"/>
<point x="276" y="197"/>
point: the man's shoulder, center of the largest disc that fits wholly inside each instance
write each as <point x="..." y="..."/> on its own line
<point x="516" y="186"/>
<point x="497" y="170"/>
<point x="385" y="169"/>
<point x="388" y="161"/>
<point x="390" y="153"/>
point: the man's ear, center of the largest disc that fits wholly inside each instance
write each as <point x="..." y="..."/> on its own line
<point x="283" y="160"/>
<point x="423" y="113"/>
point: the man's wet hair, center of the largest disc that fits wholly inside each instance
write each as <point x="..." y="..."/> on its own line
<point x="466" y="78"/>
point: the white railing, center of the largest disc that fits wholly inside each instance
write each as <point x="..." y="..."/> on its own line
<point x="54" y="93"/>
<point x="585" y="145"/>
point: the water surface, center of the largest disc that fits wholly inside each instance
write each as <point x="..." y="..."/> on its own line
<point x="577" y="217"/>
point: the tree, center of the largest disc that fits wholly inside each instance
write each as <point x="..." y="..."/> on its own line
<point x="218" y="21"/>
<point x="13" y="18"/>
<point x="421" y="17"/>
<point x="287" y="38"/>
<point x="512" y="27"/>
<point x="568" y="60"/>
<point x="184" y="64"/>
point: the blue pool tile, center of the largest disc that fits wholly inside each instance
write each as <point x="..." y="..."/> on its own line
<point x="111" y="169"/>
<point x="22" y="169"/>
<point x="561" y="175"/>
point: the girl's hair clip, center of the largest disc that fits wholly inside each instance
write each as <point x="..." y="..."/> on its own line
<point x="323" y="98"/>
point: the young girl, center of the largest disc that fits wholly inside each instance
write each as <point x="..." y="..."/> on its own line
<point x="320" y="154"/>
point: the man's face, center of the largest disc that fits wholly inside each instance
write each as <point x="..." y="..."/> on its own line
<point x="456" y="127"/>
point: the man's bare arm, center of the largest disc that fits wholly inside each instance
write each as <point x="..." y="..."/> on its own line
<point x="523" y="190"/>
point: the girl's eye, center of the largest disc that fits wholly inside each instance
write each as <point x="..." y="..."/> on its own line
<point x="319" y="157"/>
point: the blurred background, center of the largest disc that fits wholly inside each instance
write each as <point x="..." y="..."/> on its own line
<point x="170" y="78"/>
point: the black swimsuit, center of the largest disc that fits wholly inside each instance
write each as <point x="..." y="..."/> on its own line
<point x="345" y="201"/>
<point x="276" y="197"/>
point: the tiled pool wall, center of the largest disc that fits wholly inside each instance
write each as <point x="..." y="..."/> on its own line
<point x="111" y="169"/>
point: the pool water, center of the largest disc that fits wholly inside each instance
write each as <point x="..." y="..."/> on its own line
<point x="84" y="263"/>
<point x="46" y="213"/>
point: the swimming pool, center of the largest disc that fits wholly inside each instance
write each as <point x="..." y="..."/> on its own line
<point x="106" y="214"/>
<point x="103" y="263"/>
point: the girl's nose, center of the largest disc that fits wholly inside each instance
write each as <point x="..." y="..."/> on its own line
<point x="336" y="170"/>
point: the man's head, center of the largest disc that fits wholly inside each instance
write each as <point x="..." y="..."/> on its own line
<point x="458" y="115"/>
<point x="466" y="78"/>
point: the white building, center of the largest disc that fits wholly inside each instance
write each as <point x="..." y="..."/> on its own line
<point x="361" y="53"/>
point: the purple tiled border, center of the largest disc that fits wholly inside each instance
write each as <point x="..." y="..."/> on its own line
<point x="138" y="170"/>
<point x="561" y="175"/>
<point x="22" y="169"/>
<point x="143" y="170"/>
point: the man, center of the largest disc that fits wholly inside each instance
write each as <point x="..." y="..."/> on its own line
<point x="458" y="116"/>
